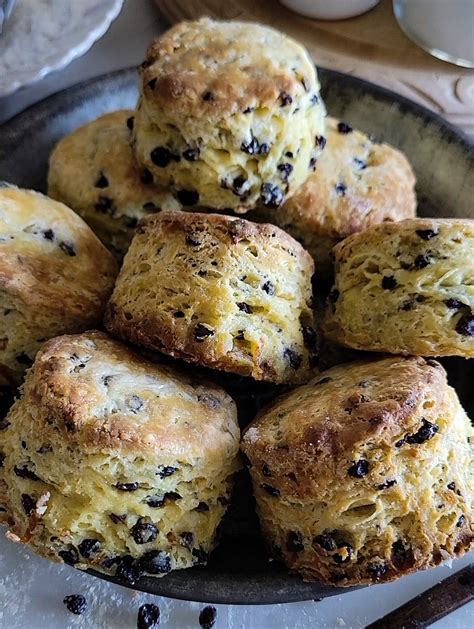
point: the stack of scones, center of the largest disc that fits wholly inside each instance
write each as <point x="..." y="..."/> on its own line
<point x="202" y="230"/>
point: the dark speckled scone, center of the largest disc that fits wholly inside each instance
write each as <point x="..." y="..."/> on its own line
<point x="112" y="462"/>
<point x="405" y="288"/>
<point x="365" y="474"/>
<point x="218" y="291"/>
<point x="229" y="114"/>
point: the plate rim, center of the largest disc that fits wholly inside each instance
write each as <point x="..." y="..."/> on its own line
<point x="11" y="132"/>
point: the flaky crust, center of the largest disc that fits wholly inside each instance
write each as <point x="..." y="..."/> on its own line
<point x="228" y="114"/>
<point x="209" y="289"/>
<point x="405" y="288"/>
<point x="108" y="458"/>
<point x="55" y="276"/>
<point x="365" y="474"/>
<point x="356" y="183"/>
<point x="93" y="171"/>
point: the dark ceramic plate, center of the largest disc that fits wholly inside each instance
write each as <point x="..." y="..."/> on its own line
<point x="239" y="570"/>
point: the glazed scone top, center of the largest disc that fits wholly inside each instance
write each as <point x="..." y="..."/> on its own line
<point x="103" y="396"/>
<point x="357" y="183"/>
<point x="321" y="423"/>
<point x="218" y="68"/>
<point x="48" y="255"/>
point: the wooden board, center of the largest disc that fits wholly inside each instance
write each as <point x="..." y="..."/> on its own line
<point x="370" y="46"/>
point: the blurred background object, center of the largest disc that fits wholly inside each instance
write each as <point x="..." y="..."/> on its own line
<point x="333" y="10"/>
<point x="46" y="35"/>
<point x="6" y="8"/>
<point x="445" y="29"/>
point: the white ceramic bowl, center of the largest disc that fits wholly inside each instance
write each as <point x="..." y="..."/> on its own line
<point x="329" y="9"/>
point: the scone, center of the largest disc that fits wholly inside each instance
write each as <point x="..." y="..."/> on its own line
<point x="115" y="463"/>
<point x="93" y="171"/>
<point x="365" y="474"/>
<point x="229" y="114"/>
<point x="55" y="277"/>
<point x="405" y="288"/>
<point x="356" y="183"/>
<point x="218" y="291"/>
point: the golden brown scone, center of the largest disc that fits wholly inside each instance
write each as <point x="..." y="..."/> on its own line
<point x="356" y="183"/>
<point x="93" y="171"/>
<point x="229" y="114"/>
<point x="365" y="474"/>
<point x="218" y="291"/>
<point x="55" y="277"/>
<point x="116" y="463"/>
<point x="405" y="288"/>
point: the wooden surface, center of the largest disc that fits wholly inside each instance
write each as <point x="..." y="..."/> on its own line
<point x="370" y="46"/>
<point x="432" y="605"/>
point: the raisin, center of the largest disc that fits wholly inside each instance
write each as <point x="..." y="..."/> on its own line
<point x="68" y="248"/>
<point x="254" y="147"/>
<point x="344" y="557"/>
<point x="387" y="484"/>
<point x="202" y="507"/>
<point x="69" y="556"/>
<point x="179" y="314"/>
<point x="293" y="358"/>
<point x="75" y="603"/>
<point x="309" y="337"/>
<point x="389" y="282"/>
<point x="191" y="155"/>
<point x="28" y="503"/>
<point x="360" y="163"/>
<point x="128" y="569"/>
<point x="105" y="205"/>
<point x="425" y="433"/>
<point x="244" y="307"/>
<point x="134" y="403"/>
<point x="162" y="157"/>
<point x="144" y="531"/>
<point x="238" y="184"/>
<point x="289" y="154"/>
<point x="102" y="181"/>
<point x="89" y="547"/>
<point x="187" y="539"/>
<point x="146" y="177"/>
<point x="285" y="171"/>
<point x="248" y="110"/>
<point x="359" y="469"/>
<point x="208" y="96"/>
<point x="452" y="486"/>
<point x="421" y="261"/>
<point x="201" y="332"/>
<point x="312" y="163"/>
<point x="130" y="122"/>
<point x="24" y="472"/>
<point x="343" y="127"/>
<point x="461" y="521"/>
<point x="200" y="555"/>
<point x="23" y="359"/>
<point x="454" y="304"/>
<point x="188" y="197"/>
<point x="48" y="234"/>
<point x="426" y="234"/>
<point x="166" y="470"/>
<point x="273" y="491"/>
<point x="320" y="141"/>
<point x="294" y="542"/>
<point x="377" y="570"/>
<point x="314" y="99"/>
<point x="155" y="562"/>
<point x="325" y="541"/>
<point x="465" y="325"/>
<point x="285" y="99"/>
<point x="127" y="486"/>
<point x="207" y="617"/>
<point x="402" y="558"/>
<point x="268" y="287"/>
<point x="148" y="616"/>
<point x="340" y="189"/>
